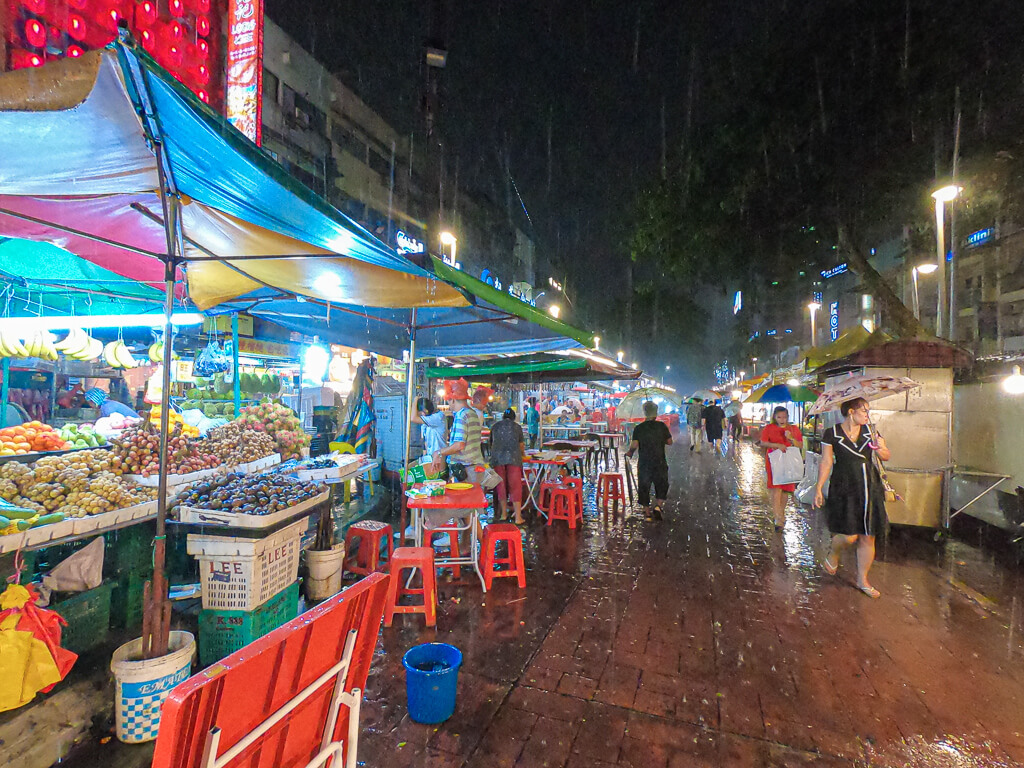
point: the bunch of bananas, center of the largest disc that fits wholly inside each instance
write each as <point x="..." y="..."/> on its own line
<point x="117" y="355"/>
<point x="41" y="346"/>
<point x="78" y="345"/>
<point x="11" y="346"/>
<point x="156" y="352"/>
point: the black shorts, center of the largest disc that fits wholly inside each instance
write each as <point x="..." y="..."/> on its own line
<point x="648" y="475"/>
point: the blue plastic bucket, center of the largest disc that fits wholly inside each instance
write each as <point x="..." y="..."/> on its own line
<point x="431" y="678"/>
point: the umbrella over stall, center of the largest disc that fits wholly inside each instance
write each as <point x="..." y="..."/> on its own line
<point x="783" y="393"/>
<point x="140" y="178"/>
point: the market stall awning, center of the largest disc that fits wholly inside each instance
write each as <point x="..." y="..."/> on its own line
<point x="495" y="323"/>
<point x="526" y="369"/>
<point x="79" y="171"/>
<point x="849" y="341"/>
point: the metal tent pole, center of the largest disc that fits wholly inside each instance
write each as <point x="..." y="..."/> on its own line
<point x="234" y="364"/>
<point x="410" y="390"/>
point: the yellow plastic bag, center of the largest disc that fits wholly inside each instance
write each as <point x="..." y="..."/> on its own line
<point x="29" y="648"/>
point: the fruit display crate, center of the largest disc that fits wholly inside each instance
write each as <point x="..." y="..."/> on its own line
<point x="241" y="574"/>
<point x="28" y="458"/>
<point x="259" y="465"/>
<point x="221" y="632"/>
<point x="77" y="527"/>
<point x="88" y="618"/>
<point x="174" y="481"/>
<point x="239" y="520"/>
<point x="346" y="471"/>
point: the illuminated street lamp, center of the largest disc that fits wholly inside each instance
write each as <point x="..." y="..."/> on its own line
<point x="1014" y="383"/>
<point x="923" y="269"/>
<point x="942" y="196"/>
<point x="554" y="310"/>
<point x="447" y="238"/>
<point x="597" y="342"/>
<point x="620" y="355"/>
<point x="814" y="306"/>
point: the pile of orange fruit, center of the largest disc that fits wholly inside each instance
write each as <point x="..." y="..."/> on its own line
<point x="30" y="437"/>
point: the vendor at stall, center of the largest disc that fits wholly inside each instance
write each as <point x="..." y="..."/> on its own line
<point x="108" y="407"/>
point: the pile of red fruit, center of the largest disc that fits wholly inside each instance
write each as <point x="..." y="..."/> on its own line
<point x="137" y="452"/>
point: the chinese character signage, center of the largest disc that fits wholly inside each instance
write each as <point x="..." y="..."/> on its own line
<point x="244" y="98"/>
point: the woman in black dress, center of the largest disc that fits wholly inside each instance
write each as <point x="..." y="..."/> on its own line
<point x="856" y="494"/>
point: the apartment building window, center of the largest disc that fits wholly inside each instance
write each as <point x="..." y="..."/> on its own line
<point x="270" y="84"/>
<point x="379" y="163"/>
<point x="307" y="115"/>
<point x="347" y="140"/>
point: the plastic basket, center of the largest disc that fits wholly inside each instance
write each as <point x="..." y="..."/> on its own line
<point x="88" y="618"/>
<point x="223" y="632"/>
<point x="126" y="602"/>
<point x="240" y="574"/>
<point x="130" y="549"/>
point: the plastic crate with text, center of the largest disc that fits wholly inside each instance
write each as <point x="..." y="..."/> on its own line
<point x="224" y="632"/>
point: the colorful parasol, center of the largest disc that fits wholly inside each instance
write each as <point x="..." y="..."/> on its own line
<point x="869" y="387"/>
<point x="783" y="393"/>
<point x="358" y="431"/>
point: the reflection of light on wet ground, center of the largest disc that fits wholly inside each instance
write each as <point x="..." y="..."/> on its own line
<point x="953" y="752"/>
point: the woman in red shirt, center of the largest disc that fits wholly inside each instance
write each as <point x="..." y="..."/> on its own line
<point x="779" y="435"/>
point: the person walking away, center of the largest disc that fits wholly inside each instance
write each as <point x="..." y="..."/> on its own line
<point x="714" y="425"/>
<point x="507" y="449"/>
<point x="855" y="507"/>
<point x="650" y="438"/>
<point x="694" y="419"/>
<point x="464" y="444"/>
<point x="734" y="413"/>
<point x="778" y="436"/>
<point x="432" y="426"/>
<point x="533" y="423"/>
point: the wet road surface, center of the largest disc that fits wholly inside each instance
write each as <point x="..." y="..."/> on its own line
<point x="709" y="639"/>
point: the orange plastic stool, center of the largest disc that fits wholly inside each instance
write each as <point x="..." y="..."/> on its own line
<point x="563" y="506"/>
<point x="609" y="489"/>
<point x="367" y="557"/>
<point x="544" y="496"/>
<point x="453" y="545"/>
<point x="489" y="560"/>
<point x="576" y="483"/>
<point x="422" y="559"/>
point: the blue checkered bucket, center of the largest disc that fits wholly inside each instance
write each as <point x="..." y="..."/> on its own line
<point x="142" y="685"/>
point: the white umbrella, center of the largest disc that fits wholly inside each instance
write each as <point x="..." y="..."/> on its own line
<point x="632" y="405"/>
<point x="560" y="410"/>
<point x="706" y="394"/>
<point x="869" y="387"/>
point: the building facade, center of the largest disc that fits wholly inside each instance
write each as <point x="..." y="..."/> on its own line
<point x="395" y="186"/>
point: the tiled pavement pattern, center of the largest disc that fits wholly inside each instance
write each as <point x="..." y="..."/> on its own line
<point x="711" y="640"/>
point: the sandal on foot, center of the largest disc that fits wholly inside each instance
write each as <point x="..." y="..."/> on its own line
<point x="829" y="568"/>
<point x="871" y="592"/>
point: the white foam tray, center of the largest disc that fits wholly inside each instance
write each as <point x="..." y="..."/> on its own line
<point x="47" y="535"/>
<point x="238" y="520"/>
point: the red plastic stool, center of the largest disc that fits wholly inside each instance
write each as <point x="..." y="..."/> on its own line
<point x="453" y="545"/>
<point x="489" y="560"/>
<point x="563" y="506"/>
<point x="576" y="483"/>
<point x="544" y="495"/>
<point x="422" y="559"/>
<point x="609" y="489"/>
<point x="367" y="557"/>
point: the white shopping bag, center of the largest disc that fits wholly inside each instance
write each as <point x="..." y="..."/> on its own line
<point x="805" y="490"/>
<point x="787" y="466"/>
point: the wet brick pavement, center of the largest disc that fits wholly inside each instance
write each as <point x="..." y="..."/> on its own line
<point x="711" y="640"/>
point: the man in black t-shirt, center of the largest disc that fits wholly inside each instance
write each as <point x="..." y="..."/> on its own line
<point x="650" y="437"/>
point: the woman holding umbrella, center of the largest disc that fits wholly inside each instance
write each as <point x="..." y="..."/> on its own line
<point x="856" y="498"/>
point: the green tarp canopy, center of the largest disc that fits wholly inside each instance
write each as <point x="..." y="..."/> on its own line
<point x="524" y="369"/>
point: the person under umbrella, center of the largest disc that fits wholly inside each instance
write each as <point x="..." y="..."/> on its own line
<point x="855" y="507"/>
<point x="713" y="418"/>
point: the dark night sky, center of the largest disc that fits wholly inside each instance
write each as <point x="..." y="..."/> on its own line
<point x="513" y="67"/>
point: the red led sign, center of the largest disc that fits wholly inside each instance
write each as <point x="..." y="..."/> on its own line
<point x="182" y="35"/>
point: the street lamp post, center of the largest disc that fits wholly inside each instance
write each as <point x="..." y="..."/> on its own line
<point x="942" y="196"/>
<point x="814" y="306"/>
<point x="447" y="238"/>
<point x="924" y="269"/>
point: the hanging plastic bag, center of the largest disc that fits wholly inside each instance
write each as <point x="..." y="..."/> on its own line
<point x="80" y="572"/>
<point x="210" y="360"/>
<point x="33" y="660"/>
<point x="805" y="490"/>
<point x="787" y="466"/>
